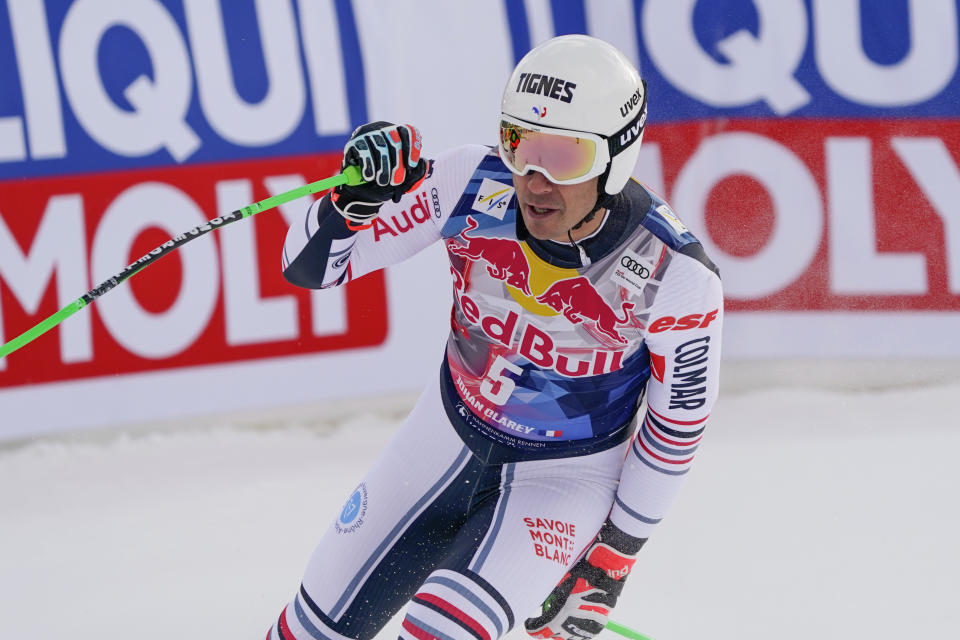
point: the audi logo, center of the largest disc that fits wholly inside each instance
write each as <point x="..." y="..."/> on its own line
<point x="635" y="266"/>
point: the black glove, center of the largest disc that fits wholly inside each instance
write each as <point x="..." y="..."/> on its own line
<point x="389" y="159"/>
<point x="578" y="607"/>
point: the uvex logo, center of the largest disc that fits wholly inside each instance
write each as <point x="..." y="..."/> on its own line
<point x="631" y="102"/>
<point x="627" y="136"/>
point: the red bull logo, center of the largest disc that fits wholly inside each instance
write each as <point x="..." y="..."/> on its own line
<point x="532" y="342"/>
<point x="505" y="259"/>
<point x="575" y="298"/>
<point x="578" y="300"/>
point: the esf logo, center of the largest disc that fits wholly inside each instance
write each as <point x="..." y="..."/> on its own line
<point x="353" y="512"/>
<point x="547" y="86"/>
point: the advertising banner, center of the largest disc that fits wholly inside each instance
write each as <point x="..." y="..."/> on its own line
<point x="812" y="145"/>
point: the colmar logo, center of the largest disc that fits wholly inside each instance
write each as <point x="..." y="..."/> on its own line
<point x="688" y="385"/>
<point x="493" y="198"/>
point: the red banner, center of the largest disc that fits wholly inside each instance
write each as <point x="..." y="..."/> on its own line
<point x="821" y="215"/>
<point x="221" y="298"/>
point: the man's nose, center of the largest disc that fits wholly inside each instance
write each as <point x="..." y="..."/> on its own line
<point x="539" y="183"/>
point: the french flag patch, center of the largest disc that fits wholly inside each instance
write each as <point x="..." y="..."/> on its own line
<point x="553" y="434"/>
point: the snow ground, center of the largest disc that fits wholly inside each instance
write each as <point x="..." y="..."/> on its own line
<point x="810" y="513"/>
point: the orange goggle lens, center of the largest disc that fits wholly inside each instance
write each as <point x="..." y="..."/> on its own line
<point x="563" y="158"/>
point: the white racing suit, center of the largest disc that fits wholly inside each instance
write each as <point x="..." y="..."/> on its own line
<point x="529" y="437"/>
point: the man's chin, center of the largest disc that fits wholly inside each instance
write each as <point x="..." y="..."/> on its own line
<point x="544" y="232"/>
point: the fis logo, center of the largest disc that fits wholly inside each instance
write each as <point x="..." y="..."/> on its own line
<point x="493" y="198"/>
<point x="672" y="219"/>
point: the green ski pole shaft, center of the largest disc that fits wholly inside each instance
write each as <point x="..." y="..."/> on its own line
<point x="626" y="632"/>
<point x="351" y="176"/>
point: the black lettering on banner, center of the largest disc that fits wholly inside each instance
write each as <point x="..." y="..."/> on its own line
<point x="688" y="385"/>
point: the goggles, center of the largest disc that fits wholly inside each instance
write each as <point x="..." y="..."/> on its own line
<point x="565" y="157"/>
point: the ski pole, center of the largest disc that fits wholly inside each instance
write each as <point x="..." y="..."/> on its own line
<point x="350" y="176"/>
<point x="626" y="632"/>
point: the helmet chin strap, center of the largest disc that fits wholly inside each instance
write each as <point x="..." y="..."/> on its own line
<point x="603" y="200"/>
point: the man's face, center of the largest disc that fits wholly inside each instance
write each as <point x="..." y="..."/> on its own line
<point x="549" y="209"/>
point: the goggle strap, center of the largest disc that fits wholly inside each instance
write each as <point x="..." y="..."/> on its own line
<point x="631" y="132"/>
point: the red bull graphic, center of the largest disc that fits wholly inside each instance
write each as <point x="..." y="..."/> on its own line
<point x="505" y="259"/>
<point x="578" y="300"/>
<point x="532" y="342"/>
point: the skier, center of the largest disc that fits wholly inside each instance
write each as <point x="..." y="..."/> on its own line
<point x="525" y="475"/>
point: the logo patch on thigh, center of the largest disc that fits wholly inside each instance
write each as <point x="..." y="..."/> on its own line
<point x="351" y="516"/>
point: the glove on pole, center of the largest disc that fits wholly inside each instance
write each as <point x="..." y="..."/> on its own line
<point x="579" y="607"/>
<point x="388" y="156"/>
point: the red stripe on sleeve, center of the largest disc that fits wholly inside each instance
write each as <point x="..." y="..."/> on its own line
<point x="284" y="628"/>
<point x="659" y="436"/>
<point x="680" y="422"/>
<point x="661" y="459"/>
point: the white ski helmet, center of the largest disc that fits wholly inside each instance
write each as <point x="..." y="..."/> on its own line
<point x="577" y="83"/>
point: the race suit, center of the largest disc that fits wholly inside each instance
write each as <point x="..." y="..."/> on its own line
<point x="530" y="436"/>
